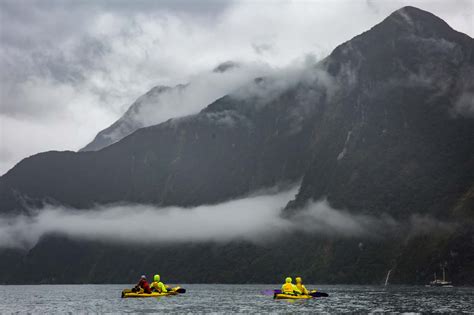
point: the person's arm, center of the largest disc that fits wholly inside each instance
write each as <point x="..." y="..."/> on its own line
<point x="162" y="287"/>
<point x="295" y="289"/>
<point x="305" y="291"/>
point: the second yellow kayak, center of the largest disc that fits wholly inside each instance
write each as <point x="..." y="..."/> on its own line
<point x="282" y="296"/>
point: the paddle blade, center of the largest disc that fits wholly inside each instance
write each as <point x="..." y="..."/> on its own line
<point x="319" y="294"/>
<point x="181" y="290"/>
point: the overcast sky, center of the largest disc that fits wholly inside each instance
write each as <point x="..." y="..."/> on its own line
<point x="70" y="68"/>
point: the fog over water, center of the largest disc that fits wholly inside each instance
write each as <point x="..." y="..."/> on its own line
<point x="256" y="218"/>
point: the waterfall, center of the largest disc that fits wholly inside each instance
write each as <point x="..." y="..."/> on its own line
<point x="388" y="276"/>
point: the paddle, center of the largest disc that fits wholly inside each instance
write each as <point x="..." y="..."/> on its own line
<point x="180" y="290"/>
<point x="318" y="294"/>
<point x="313" y="293"/>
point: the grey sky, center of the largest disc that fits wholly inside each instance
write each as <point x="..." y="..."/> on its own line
<point x="70" y="68"/>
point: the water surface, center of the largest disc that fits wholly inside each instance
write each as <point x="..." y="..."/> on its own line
<point x="205" y="298"/>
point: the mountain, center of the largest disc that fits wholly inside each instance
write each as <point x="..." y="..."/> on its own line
<point x="235" y="146"/>
<point x="382" y="126"/>
<point x="133" y="119"/>
<point x="392" y="142"/>
<point x="163" y="102"/>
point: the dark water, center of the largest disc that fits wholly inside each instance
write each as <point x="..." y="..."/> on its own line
<point x="234" y="299"/>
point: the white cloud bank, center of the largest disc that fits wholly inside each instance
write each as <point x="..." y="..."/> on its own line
<point x="256" y="219"/>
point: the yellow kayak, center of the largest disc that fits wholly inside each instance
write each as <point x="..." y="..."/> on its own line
<point x="129" y="294"/>
<point x="281" y="296"/>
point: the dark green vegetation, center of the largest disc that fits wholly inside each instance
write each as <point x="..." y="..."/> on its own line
<point x="317" y="259"/>
<point x="375" y="127"/>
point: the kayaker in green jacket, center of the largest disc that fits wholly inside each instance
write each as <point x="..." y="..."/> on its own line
<point x="157" y="285"/>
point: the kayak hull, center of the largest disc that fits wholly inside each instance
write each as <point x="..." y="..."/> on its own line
<point x="281" y="296"/>
<point x="129" y="294"/>
<point x="146" y="295"/>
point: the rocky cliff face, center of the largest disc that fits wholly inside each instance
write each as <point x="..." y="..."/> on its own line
<point x="382" y="125"/>
<point x="392" y="140"/>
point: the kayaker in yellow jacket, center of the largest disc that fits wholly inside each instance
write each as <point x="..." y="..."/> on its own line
<point x="290" y="288"/>
<point x="300" y="286"/>
<point x="157" y="285"/>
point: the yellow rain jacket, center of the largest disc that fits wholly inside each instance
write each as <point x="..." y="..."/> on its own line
<point x="301" y="287"/>
<point x="157" y="285"/>
<point x="289" y="288"/>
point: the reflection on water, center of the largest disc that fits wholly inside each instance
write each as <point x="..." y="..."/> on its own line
<point x="207" y="298"/>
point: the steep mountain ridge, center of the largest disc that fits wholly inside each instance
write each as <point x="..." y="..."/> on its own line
<point x="130" y="120"/>
<point x="163" y="102"/>
<point x="395" y="145"/>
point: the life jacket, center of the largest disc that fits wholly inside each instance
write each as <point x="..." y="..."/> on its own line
<point x="287" y="288"/>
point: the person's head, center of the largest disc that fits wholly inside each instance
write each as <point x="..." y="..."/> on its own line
<point x="288" y="280"/>
<point x="298" y="280"/>
<point x="156" y="278"/>
<point x="143" y="277"/>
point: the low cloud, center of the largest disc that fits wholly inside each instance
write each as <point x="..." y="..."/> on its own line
<point x="256" y="218"/>
<point x="464" y="105"/>
<point x="201" y="90"/>
<point x="319" y="217"/>
<point x="248" y="219"/>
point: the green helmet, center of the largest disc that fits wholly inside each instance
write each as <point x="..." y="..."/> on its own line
<point x="156" y="278"/>
<point x="288" y="280"/>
